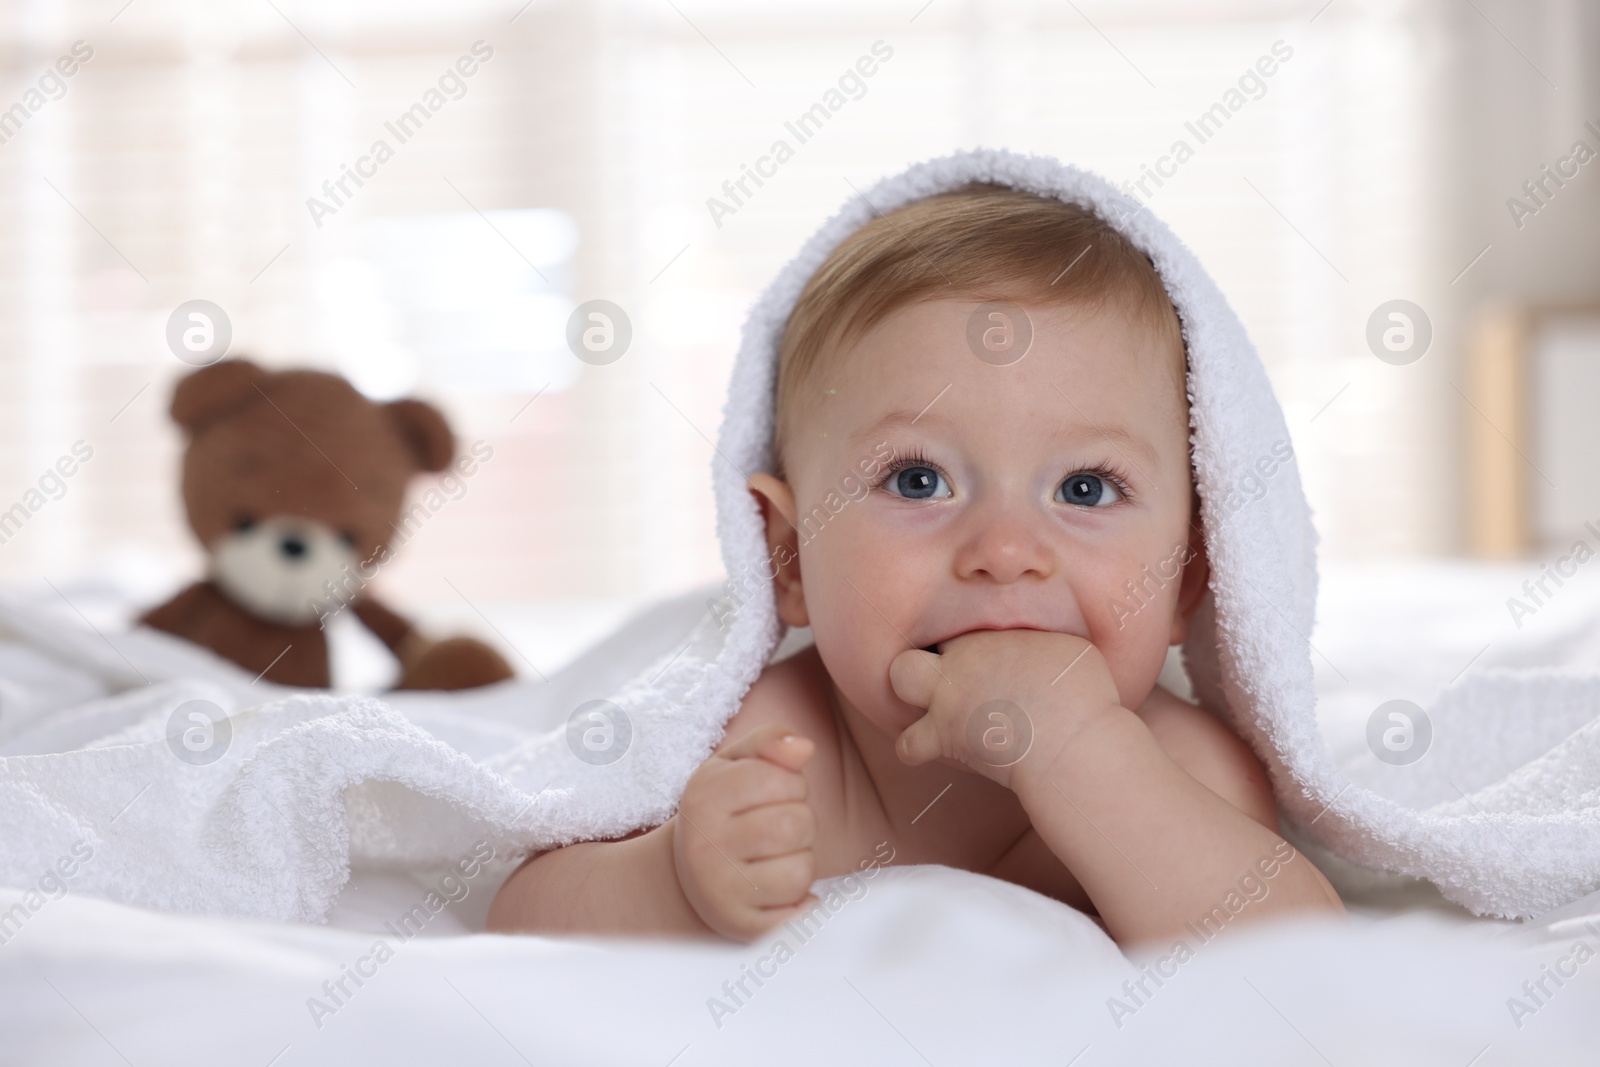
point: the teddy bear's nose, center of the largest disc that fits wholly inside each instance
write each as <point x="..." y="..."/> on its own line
<point x="292" y="547"/>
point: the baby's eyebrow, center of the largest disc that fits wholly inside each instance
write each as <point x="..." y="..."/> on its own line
<point x="898" y="420"/>
<point x="1120" y="439"/>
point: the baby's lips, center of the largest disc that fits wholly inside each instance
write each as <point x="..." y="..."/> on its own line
<point x="939" y="646"/>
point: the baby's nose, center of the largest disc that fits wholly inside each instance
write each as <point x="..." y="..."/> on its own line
<point x="293" y="547"/>
<point x="1005" y="550"/>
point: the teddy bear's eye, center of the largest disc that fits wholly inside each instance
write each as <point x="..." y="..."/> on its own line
<point x="348" y="537"/>
<point x="244" y="523"/>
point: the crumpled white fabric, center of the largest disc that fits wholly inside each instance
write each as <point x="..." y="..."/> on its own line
<point x="310" y="782"/>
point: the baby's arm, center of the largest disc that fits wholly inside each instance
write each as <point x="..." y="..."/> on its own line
<point x="1159" y="830"/>
<point x="1183" y="844"/>
<point x="735" y="859"/>
<point x="623" y="887"/>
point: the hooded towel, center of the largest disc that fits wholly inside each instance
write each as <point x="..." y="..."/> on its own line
<point x="1511" y="826"/>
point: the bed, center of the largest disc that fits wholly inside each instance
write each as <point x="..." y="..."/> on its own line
<point x="916" y="965"/>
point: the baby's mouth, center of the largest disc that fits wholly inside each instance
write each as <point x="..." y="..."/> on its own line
<point x="935" y="646"/>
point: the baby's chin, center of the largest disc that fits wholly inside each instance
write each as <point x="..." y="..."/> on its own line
<point x="891" y="723"/>
<point x="882" y="711"/>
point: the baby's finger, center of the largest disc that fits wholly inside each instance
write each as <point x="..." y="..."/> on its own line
<point x="780" y="880"/>
<point x="773" y="830"/>
<point x="774" y="742"/>
<point x="740" y="785"/>
<point x="774" y="916"/>
<point x="919" y="743"/>
<point x="749" y="923"/>
<point x="913" y="674"/>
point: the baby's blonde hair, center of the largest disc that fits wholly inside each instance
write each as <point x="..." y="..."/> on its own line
<point x="981" y="242"/>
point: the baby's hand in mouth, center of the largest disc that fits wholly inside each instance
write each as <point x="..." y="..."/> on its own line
<point x="1001" y="702"/>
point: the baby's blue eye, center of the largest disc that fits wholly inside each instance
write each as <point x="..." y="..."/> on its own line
<point x="1087" y="490"/>
<point x="919" y="483"/>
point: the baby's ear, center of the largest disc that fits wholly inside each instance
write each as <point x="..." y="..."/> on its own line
<point x="212" y="392"/>
<point x="1196" y="581"/>
<point x="776" y="501"/>
<point x="425" y="431"/>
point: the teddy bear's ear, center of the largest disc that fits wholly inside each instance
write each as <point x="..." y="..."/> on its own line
<point x="425" y="431"/>
<point x="213" y="391"/>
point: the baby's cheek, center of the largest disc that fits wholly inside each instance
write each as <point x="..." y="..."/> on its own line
<point x="1131" y="630"/>
<point x="856" y="647"/>
<point x="861" y="601"/>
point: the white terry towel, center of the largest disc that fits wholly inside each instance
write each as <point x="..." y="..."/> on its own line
<point x="1507" y="822"/>
<point x="1515" y="759"/>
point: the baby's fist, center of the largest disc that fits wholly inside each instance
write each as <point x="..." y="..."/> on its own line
<point x="743" y="834"/>
<point x="1000" y="702"/>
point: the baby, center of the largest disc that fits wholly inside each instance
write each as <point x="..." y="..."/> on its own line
<point x="990" y="618"/>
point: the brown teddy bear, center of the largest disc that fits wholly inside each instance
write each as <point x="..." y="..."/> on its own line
<point x="293" y="482"/>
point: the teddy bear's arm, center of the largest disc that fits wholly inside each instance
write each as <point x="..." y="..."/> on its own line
<point x="392" y="628"/>
<point x="454" y="663"/>
<point x="285" y="655"/>
<point x="181" y="614"/>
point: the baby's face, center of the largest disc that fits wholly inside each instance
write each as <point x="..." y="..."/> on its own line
<point x="1051" y="494"/>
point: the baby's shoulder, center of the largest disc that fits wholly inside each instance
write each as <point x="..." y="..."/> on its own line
<point x="1211" y="753"/>
<point x="792" y="693"/>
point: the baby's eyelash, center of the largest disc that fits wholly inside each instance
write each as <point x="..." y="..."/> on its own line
<point x="919" y="458"/>
<point x="1108" y="472"/>
<point x="916" y="458"/>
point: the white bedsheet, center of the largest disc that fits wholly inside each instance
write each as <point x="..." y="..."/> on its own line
<point x="929" y="965"/>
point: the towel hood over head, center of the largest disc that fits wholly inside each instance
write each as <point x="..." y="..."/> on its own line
<point x="1506" y="849"/>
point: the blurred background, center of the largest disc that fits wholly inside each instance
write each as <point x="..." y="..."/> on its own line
<point x="1424" y="151"/>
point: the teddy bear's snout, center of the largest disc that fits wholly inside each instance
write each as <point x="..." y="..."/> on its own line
<point x="286" y="568"/>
